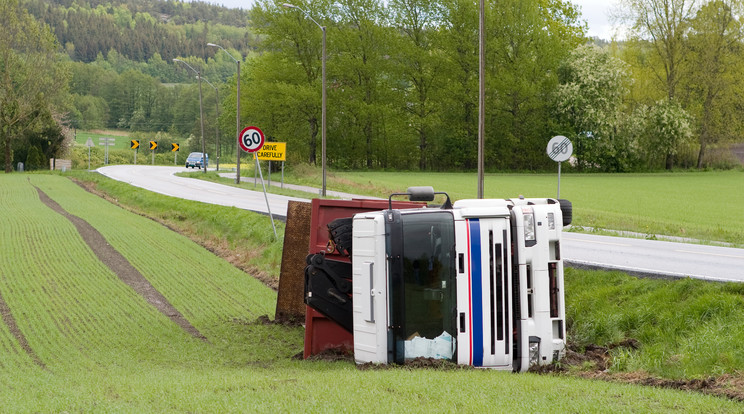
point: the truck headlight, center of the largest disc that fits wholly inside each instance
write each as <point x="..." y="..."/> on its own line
<point x="534" y="350"/>
<point x="529" y="223"/>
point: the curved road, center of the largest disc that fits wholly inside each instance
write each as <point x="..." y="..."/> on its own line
<point x="651" y="258"/>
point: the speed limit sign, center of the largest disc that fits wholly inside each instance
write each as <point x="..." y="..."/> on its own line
<point x="251" y="139"/>
<point x="560" y="148"/>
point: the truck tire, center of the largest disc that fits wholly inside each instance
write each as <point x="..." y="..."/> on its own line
<point x="340" y="230"/>
<point x="567" y="210"/>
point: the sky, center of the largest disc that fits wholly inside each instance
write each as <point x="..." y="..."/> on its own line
<point x="595" y="12"/>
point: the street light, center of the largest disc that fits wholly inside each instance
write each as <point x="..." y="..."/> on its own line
<point x="237" y="114"/>
<point x="217" y="126"/>
<point x="201" y="113"/>
<point x="481" y="93"/>
<point x="323" y="103"/>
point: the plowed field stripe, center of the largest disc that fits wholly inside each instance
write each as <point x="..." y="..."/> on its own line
<point x="122" y="268"/>
<point x="10" y="322"/>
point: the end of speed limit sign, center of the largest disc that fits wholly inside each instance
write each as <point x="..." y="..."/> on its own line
<point x="251" y="139"/>
<point x="560" y="148"/>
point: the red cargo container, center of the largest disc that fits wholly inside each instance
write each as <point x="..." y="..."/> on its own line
<point x="322" y="333"/>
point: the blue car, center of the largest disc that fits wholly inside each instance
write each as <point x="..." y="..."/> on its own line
<point x="194" y="160"/>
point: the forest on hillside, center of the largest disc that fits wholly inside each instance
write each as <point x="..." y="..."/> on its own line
<point x="402" y="80"/>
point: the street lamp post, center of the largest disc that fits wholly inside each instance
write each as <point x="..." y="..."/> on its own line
<point x="481" y="94"/>
<point x="201" y="114"/>
<point x="237" y="114"/>
<point x="323" y="101"/>
<point x="217" y="126"/>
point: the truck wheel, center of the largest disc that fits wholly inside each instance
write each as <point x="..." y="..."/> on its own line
<point x="567" y="210"/>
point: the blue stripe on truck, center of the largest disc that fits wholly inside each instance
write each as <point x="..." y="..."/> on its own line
<point x="476" y="293"/>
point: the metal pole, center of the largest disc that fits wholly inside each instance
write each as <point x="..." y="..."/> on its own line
<point x="559" y="180"/>
<point x="323" y="113"/>
<point x="237" y="115"/>
<point x="481" y="94"/>
<point x="201" y="113"/>
<point x="268" y="207"/>
<point x="217" y="126"/>
<point x="237" y="130"/>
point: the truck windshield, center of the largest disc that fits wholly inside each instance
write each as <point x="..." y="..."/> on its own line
<point x="429" y="285"/>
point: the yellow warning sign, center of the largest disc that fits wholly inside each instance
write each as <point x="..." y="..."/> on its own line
<point x="273" y="151"/>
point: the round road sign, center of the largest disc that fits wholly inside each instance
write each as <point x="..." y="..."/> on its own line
<point x="560" y="148"/>
<point x="251" y="139"/>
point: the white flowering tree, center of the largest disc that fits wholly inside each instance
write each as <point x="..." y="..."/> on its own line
<point x="590" y="103"/>
<point x="667" y="129"/>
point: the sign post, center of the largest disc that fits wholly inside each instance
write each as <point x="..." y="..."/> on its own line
<point x="251" y="140"/>
<point x="106" y="142"/>
<point x="89" y="143"/>
<point x="174" y="149"/>
<point x="134" y="144"/>
<point x="273" y="151"/>
<point x="559" y="149"/>
<point x="153" y="146"/>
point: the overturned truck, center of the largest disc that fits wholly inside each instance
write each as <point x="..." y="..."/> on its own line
<point x="477" y="282"/>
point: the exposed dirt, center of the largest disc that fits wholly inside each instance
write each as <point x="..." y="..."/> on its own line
<point x="594" y="362"/>
<point x="418" y="363"/>
<point x="236" y="256"/>
<point x="10" y="322"/>
<point x="122" y="268"/>
<point x="332" y="355"/>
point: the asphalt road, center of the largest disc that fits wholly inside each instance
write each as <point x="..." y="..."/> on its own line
<point x="651" y="258"/>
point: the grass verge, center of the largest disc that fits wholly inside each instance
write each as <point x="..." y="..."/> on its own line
<point x="682" y="329"/>
<point x="120" y="359"/>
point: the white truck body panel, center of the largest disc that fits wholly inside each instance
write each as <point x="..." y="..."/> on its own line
<point x="501" y="248"/>
<point x="369" y="287"/>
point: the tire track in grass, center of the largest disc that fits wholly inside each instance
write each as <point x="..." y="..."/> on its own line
<point x="121" y="267"/>
<point x="10" y="322"/>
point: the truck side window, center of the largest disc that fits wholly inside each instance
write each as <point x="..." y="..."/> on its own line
<point x="429" y="279"/>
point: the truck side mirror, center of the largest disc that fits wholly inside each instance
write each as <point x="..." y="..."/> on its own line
<point x="425" y="193"/>
<point x="422" y="193"/>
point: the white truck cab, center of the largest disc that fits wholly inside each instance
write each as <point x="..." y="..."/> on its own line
<point x="479" y="283"/>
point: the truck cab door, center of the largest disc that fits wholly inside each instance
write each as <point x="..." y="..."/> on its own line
<point x="484" y="333"/>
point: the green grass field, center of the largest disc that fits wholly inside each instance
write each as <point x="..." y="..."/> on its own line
<point x="104" y="349"/>
<point x="121" y="141"/>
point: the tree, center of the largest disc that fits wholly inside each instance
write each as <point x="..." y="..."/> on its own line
<point x="30" y="77"/>
<point x="362" y="95"/>
<point x="714" y="81"/>
<point x="459" y="98"/>
<point x="667" y="129"/>
<point x="590" y="101"/>
<point x="288" y="77"/>
<point x="664" y="24"/>
<point x="419" y="57"/>
<point x="527" y="41"/>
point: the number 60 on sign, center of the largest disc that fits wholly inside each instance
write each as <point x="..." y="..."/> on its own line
<point x="251" y="139"/>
